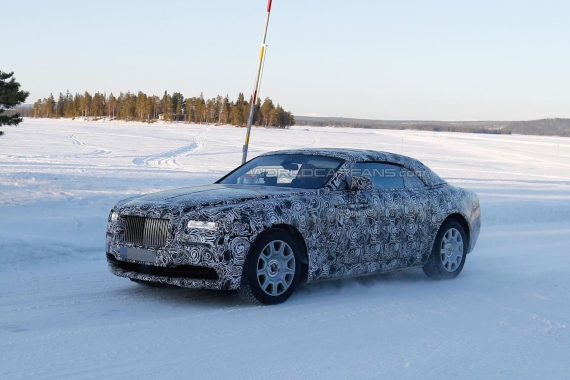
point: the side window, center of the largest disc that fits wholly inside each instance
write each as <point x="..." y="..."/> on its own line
<point x="411" y="180"/>
<point x="383" y="175"/>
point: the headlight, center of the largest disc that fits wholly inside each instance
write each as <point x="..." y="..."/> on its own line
<point x="211" y="226"/>
<point x="114" y="216"/>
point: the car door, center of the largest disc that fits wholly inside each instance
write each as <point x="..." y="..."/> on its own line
<point x="335" y="237"/>
<point x="356" y="220"/>
<point x="393" y="238"/>
<point x="348" y="231"/>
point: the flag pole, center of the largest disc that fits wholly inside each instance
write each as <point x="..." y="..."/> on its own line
<point x="257" y="82"/>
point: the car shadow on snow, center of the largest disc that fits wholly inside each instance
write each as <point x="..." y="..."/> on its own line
<point x="392" y="279"/>
<point x="176" y="296"/>
<point x="216" y="298"/>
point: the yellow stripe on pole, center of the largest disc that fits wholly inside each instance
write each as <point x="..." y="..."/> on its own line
<point x="247" y="139"/>
<point x="261" y="52"/>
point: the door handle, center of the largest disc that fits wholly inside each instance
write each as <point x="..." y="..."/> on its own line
<point x="353" y="206"/>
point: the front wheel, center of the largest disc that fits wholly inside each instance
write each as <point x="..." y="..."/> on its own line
<point x="448" y="253"/>
<point x="272" y="269"/>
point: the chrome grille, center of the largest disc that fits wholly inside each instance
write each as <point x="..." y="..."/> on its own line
<point x="146" y="231"/>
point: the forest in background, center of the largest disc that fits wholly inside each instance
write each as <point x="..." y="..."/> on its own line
<point x="541" y="127"/>
<point x="221" y="111"/>
<point x="142" y="107"/>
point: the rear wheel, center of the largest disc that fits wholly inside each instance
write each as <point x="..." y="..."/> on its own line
<point x="448" y="253"/>
<point x="272" y="269"/>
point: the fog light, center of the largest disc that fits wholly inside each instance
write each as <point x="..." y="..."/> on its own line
<point x="114" y="216"/>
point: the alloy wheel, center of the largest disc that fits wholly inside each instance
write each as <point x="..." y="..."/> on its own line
<point x="276" y="268"/>
<point x="451" y="250"/>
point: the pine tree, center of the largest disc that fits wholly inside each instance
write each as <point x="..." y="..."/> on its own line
<point x="148" y="108"/>
<point x="112" y="105"/>
<point x="166" y="106"/>
<point x="77" y="105"/>
<point x="141" y="105"/>
<point x="190" y="112"/>
<point x="239" y="111"/>
<point x="50" y="106"/>
<point x="177" y="105"/>
<point x="289" y="119"/>
<point x="129" y="106"/>
<point x="155" y="106"/>
<point x="10" y="96"/>
<point x="226" y="110"/>
<point x="219" y="109"/>
<point x="210" y="110"/>
<point x="86" y="104"/>
<point x="98" y="105"/>
<point x="265" y="111"/>
<point x="200" y="109"/>
<point x="36" y="108"/>
<point x="60" y="106"/>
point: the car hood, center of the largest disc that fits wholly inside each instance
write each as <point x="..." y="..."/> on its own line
<point x="210" y="195"/>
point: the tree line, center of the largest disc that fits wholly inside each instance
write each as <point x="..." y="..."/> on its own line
<point x="541" y="127"/>
<point x="171" y="107"/>
<point x="402" y="125"/>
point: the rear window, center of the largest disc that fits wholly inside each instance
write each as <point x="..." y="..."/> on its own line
<point x="411" y="180"/>
<point x="383" y="175"/>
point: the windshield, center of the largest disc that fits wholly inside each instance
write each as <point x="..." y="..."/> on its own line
<point x="286" y="170"/>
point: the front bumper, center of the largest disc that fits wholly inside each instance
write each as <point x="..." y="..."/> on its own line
<point x="184" y="276"/>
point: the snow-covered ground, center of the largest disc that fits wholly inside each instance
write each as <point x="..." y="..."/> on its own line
<point x="63" y="315"/>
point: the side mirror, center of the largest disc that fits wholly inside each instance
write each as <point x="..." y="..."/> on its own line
<point x="356" y="182"/>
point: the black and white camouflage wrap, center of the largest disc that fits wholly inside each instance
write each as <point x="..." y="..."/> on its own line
<point x="344" y="232"/>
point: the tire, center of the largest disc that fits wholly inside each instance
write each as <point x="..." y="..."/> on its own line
<point x="272" y="269"/>
<point x="448" y="253"/>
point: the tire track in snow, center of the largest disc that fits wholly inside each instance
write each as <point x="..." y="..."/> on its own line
<point x="97" y="152"/>
<point x="75" y="140"/>
<point x="169" y="159"/>
<point x="315" y="140"/>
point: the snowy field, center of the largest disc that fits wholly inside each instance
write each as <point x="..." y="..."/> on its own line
<point x="64" y="315"/>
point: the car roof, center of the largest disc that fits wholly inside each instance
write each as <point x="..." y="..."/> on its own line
<point x="356" y="155"/>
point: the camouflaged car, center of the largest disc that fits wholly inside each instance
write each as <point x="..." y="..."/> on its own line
<point x="296" y="216"/>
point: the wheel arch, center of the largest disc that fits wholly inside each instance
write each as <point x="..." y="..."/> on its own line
<point x="459" y="218"/>
<point x="294" y="232"/>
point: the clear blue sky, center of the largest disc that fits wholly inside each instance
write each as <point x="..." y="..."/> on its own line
<point x="447" y="60"/>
